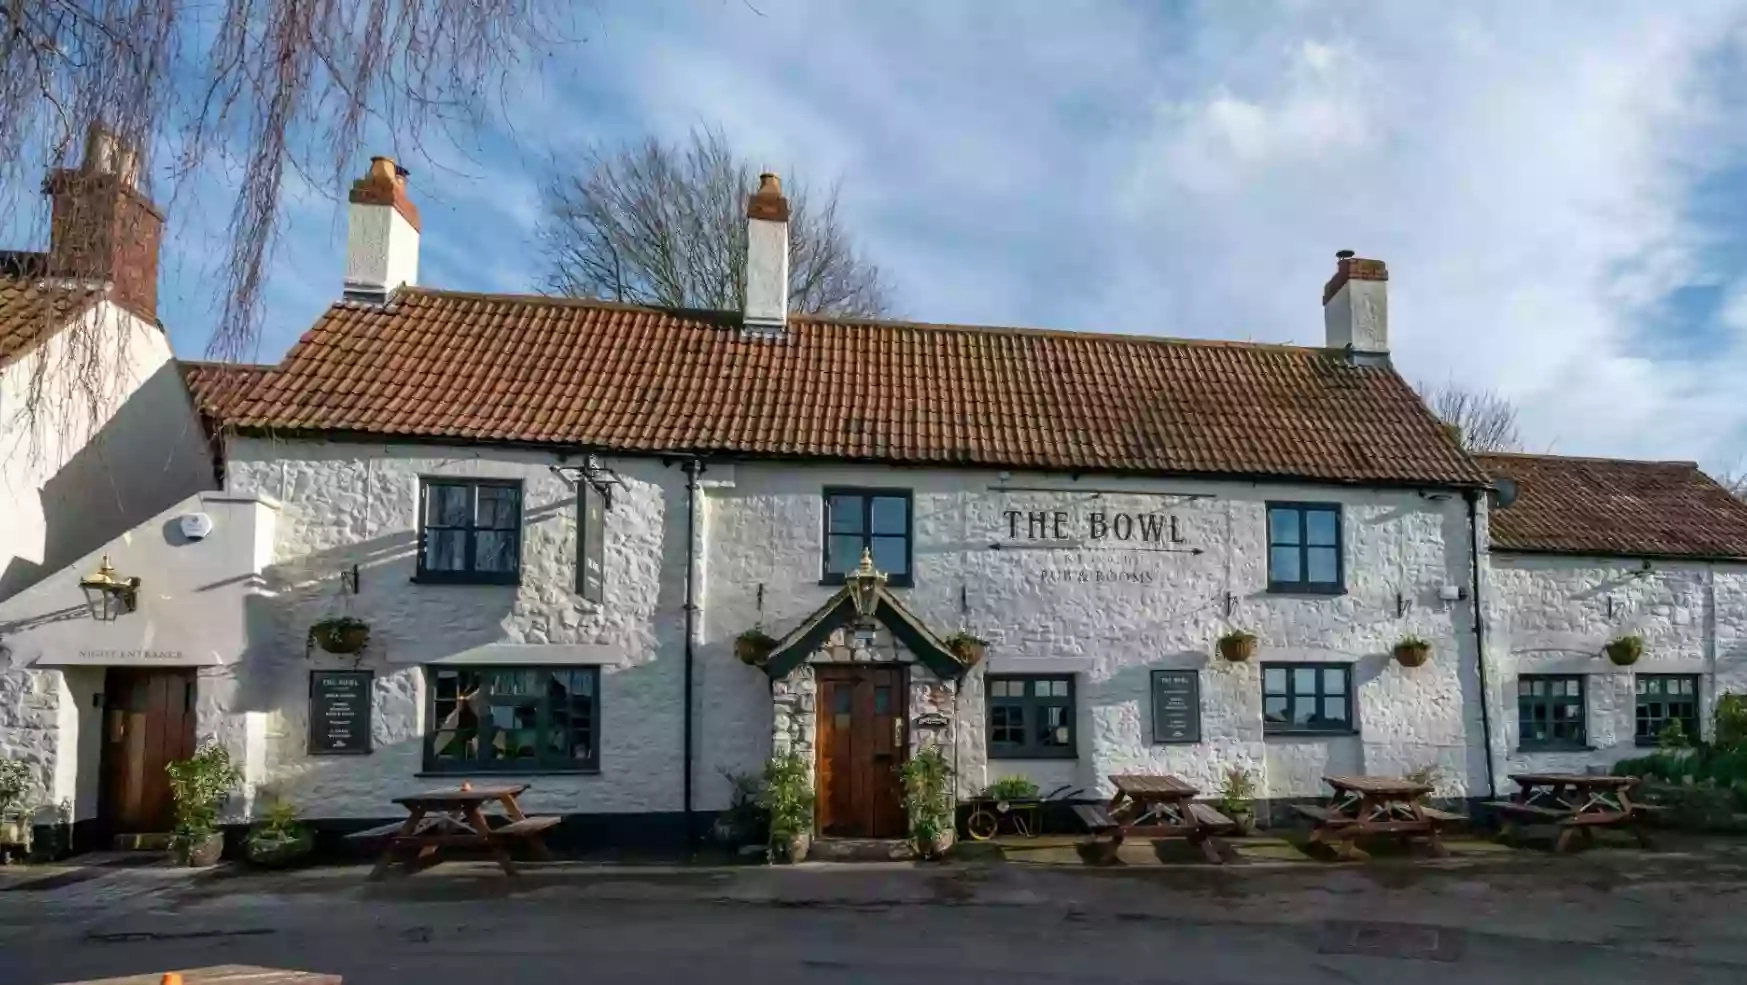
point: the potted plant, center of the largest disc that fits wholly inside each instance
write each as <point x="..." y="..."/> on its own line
<point x="1237" y="645"/>
<point x="967" y="648"/>
<point x="1427" y="776"/>
<point x="787" y="798"/>
<point x="1626" y="650"/>
<point x="199" y="784"/>
<point x="1237" y="798"/>
<point x="754" y="645"/>
<point x="15" y="827"/>
<point x="1011" y="788"/>
<point x="341" y="634"/>
<point x="278" y="840"/>
<point x="929" y="802"/>
<point x="1412" y="651"/>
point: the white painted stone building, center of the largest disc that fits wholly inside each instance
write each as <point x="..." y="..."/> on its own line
<point x="557" y="518"/>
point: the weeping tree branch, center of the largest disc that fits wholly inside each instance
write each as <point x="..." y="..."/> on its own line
<point x="665" y="224"/>
<point x="1482" y="419"/>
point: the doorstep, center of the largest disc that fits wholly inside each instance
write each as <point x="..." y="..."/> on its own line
<point x="860" y="850"/>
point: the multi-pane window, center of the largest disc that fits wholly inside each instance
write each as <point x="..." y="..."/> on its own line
<point x="1304" y="548"/>
<point x="513" y="719"/>
<point x="1550" y="711"/>
<point x="1664" y="699"/>
<point x="876" y="520"/>
<point x="1030" y="717"/>
<point x="1307" y="698"/>
<point x="470" y="531"/>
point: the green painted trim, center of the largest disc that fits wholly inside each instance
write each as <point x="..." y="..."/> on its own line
<point x="794" y="649"/>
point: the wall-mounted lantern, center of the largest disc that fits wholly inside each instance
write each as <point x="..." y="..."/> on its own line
<point x="108" y="594"/>
<point x="864" y="585"/>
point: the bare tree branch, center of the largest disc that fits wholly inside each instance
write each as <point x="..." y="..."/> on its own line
<point x="1483" y="420"/>
<point x="665" y="224"/>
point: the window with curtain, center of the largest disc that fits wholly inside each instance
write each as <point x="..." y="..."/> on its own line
<point x="470" y="531"/>
<point x="512" y="719"/>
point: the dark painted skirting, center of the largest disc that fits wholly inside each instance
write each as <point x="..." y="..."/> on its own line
<point x="53" y="842"/>
<point x="653" y="835"/>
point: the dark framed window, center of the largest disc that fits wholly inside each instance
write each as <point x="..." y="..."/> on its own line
<point x="876" y="520"/>
<point x="470" y="531"/>
<point x="1663" y="699"/>
<point x="513" y="719"/>
<point x="1308" y="698"/>
<point x="1030" y="716"/>
<point x="1550" y="711"/>
<point x="1304" y="548"/>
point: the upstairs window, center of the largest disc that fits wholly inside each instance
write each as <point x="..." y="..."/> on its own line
<point x="876" y="520"/>
<point x="1304" y="548"/>
<point x="470" y="531"/>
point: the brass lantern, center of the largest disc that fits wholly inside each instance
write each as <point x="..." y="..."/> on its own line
<point x="108" y="594"/>
<point x="864" y="585"/>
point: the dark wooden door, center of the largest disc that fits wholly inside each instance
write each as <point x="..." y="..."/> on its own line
<point x="148" y="722"/>
<point x="861" y="746"/>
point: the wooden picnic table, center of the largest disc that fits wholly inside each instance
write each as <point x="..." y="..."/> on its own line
<point x="1368" y="805"/>
<point x="1576" y="802"/>
<point x="224" y="974"/>
<point x="1157" y="807"/>
<point x="438" y="820"/>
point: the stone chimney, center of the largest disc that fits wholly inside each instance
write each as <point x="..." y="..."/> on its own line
<point x="103" y="228"/>
<point x="767" y="257"/>
<point x="382" y="234"/>
<point x="1355" y="305"/>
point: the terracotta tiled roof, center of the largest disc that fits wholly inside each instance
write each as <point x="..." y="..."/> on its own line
<point x="215" y="384"/>
<point x="448" y="365"/>
<point x="31" y="309"/>
<point x="1613" y="506"/>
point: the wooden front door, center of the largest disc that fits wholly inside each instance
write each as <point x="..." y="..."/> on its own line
<point x="861" y="746"/>
<point x="148" y="722"/>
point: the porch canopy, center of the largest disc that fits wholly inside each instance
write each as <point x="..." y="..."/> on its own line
<point x="865" y="592"/>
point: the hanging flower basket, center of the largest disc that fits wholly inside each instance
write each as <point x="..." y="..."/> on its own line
<point x="1412" y="651"/>
<point x="342" y="635"/>
<point x="967" y="648"/>
<point x="1626" y="650"/>
<point x="1237" y="646"/>
<point x="753" y="646"/>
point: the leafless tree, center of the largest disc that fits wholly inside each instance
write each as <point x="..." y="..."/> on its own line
<point x="1482" y="419"/>
<point x="244" y="92"/>
<point x="665" y="224"/>
<point x="1735" y="481"/>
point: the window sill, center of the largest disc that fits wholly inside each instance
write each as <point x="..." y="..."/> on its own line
<point x="510" y="582"/>
<point x="893" y="581"/>
<point x="1315" y="591"/>
<point x="1300" y="733"/>
<point x="498" y="774"/>
<point x="1555" y="747"/>
<point x="1035" y="757"/>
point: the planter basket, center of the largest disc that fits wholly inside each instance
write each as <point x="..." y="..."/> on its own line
<point x="969" y="651"/>
<point x="279" y="853"/>
<point x="753" y="648"/>
<point x="1237" y="649"/>
<point x="1412" y="654"/>
<point x="1625" y="651"/>
<point x="200" y="854"/>
<point x="349" y="639"/>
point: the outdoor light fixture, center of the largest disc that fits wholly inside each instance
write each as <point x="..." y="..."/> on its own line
<point x="108" y="594"/>
<point x="864" y="585"/>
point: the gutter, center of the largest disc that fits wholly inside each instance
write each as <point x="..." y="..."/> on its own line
<point x="1473" y="498"/>
<point x="693" y="467"/>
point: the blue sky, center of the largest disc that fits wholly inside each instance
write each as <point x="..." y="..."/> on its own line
<point x="1560" y="190"/>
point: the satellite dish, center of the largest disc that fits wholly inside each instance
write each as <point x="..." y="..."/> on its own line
<point x="1505" y="493"/>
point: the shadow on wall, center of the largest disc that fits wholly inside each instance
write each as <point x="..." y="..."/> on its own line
<point x="151" y="454"/>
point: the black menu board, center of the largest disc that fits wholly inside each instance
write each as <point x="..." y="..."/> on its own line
<point x="1176" y="706"/>
<point x="339" y="712"/>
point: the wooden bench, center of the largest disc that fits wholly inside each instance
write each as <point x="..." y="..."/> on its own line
<point x="1321" y="815"/>
<point x="1442" y="816"/>
<point x="390" y="829"/>
<point x="1094" y="817"/>
<point x="1208" y="817"/>
<point x="1546" y="815"/>
<point x="526" y="826"/>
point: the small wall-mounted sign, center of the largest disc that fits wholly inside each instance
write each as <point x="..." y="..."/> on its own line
<point x="339" y="712"/>
<point x="866" y="637"/>
<point x="931" y="719"/>
<point x="1176" y="706"/>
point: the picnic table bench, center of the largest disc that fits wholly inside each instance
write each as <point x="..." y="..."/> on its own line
<point x="1368" y="805"/>
<point x="1156" y="807"/>
<point x="438" y="820"/>
<point x="1576" y="803"/>
<point x="224" y="974"/>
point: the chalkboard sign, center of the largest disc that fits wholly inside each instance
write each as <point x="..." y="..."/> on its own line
<point x="339" y="712"/>
<point x="591" y="551"/>
<point x="1176" y="706"/>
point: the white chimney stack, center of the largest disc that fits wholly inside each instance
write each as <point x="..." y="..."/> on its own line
<point x="1355" y="305"/>
<point x="382" y="234"/>
<point x="767" y="257"/>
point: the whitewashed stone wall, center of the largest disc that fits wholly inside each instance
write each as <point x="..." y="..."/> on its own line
<point x="357" y="504"/>
<point x="1553" y="615"/>
<point x="1160" y="611"/>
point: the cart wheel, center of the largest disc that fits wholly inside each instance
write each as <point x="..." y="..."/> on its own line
<point x="981" y="824"/>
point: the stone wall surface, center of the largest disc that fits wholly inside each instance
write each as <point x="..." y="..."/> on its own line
<point x="1554" y="614"/>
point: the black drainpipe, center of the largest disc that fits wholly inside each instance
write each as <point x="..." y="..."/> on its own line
<point x="1473" y="497"/>
<point x="692" y="467"/>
